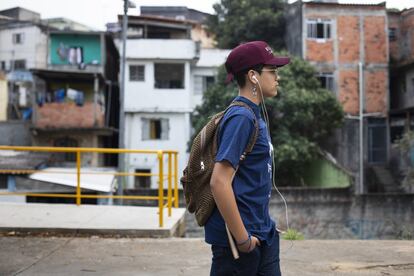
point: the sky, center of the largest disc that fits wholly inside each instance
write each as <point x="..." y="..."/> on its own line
<point x="96" y="13"/>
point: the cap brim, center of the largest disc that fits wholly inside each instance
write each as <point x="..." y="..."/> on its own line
<point x="278" y="61"/>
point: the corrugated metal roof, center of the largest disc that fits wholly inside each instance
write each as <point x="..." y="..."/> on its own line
<point x="17" y="160"/>
<point x="382" y="4"/>
<point x="90" y="178"/>
<point x="156" y="18"/>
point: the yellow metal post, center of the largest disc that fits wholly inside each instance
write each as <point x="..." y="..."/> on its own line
<point x="169" y="184"/>
<point x="78" y="189"/>
<point x="175" y="181"/>
<point x="160" y="188"/>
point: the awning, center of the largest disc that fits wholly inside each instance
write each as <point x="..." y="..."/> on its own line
<point x="96" y="179"/>
<point x="23" y="76"/>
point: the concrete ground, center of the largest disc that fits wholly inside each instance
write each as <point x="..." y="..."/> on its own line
<point x="35" y="255"/>
<point x="68" y="218"/>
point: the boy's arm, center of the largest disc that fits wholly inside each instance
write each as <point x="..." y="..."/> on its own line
<point x="222" y="190"/>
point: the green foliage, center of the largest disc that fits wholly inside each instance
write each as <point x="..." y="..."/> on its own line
<point x="238" y="21"/>
<point x="405" y="234"/>
<point x="293" y="235"/>
<point x="301" y="117"/>
<point x="405" y="145"/>
<point x="303" y="114"/>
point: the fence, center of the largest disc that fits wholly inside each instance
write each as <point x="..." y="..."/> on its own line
<point x="171" y="175"/>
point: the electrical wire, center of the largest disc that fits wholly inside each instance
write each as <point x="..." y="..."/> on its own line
<point x="266" y="119"/>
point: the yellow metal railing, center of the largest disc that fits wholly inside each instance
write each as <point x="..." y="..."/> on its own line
<point x="171" y="176"/>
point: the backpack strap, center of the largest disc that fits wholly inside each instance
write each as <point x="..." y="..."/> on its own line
<point x="253" y="138"/>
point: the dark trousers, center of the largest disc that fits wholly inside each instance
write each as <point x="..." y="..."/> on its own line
<point x="263" y="260"/>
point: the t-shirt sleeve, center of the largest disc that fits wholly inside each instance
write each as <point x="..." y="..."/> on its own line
<point x="234" y="136"/>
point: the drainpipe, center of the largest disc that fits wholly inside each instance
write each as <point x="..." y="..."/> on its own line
<point x="361" y="129"/>
<point x="95" y="101"/>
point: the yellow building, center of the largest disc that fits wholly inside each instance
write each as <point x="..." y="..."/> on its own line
<point x="3" y="97"/>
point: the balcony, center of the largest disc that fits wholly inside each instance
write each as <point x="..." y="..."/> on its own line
<point x="183" y="49"/>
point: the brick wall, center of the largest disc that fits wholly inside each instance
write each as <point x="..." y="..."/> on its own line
<point x="348" y="38"/>
<point x="348" y="90"/>
<point x="68" y="115"/>
<point x="375" y="85"/>
<point x="344" y="50"/>
<point x="375" y="41"/>
<point x="319" y="51"/>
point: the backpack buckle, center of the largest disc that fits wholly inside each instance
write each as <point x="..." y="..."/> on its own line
<point x="202" y="165"/>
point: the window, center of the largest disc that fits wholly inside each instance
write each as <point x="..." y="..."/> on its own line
<point x="412" y="86"/>
<point x="3" y="181"/>
<point x="18" y="38"/>
<point x="75" y="55"/>
<point x="169" y="76"/>
<point x="3" y="65"/>
<point x="202" y="83"/>
<point x="403" y="85"/>
<point x="392" y="34"/>
<point x="19" y="64"/>
<point x="142" y="181"/>
<point x="327" y="81"/>
<point x="67" y="142"/>
<point x="377" y="141"/>
<point x="319" y="28"/>
<point x="137" y="73"/>
<point x="155" y="129"/>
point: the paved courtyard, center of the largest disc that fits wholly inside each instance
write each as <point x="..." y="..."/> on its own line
<point x="35" y="255"/>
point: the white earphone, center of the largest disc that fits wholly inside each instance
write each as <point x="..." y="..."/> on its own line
<point x="254" y="77"/>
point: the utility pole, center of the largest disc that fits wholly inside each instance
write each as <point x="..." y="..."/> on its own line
<point x="121" y="142"/>
<point x="360" y="189"/>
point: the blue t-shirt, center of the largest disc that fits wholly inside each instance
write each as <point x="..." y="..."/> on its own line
<point x="253" y="180"/>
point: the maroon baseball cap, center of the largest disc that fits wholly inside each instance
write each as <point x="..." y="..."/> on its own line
<point x="250" y="54"/>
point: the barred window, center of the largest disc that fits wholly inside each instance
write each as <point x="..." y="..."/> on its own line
<point x="169" y="76"/>
<point x="137" y="73"/>
<point x="327" y="80"/>
<point x="319" y="28"/>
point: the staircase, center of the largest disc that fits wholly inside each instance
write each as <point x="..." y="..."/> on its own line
<point x="383" y="179"/>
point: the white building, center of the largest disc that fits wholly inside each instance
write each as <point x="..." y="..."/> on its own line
<point x="23" y="40"/>
<point x="166" y="74"/>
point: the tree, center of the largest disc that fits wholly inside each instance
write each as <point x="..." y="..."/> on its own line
<point x="239" y="21"/>
<point x="301" y="117"/>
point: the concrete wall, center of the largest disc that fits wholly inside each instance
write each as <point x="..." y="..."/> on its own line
<point x="178" y="136"/>
<point x="15" y="133"/>
<point x="294" y="29"/>
<point x="160" y="48"/>
<point x="33" y="49"/>
<point x="156" y="99"/>
<point x="91" y="45"/>
<point x="337" y="214"/>
<point x="402" y="49"/>
<point x="86" y="139"/>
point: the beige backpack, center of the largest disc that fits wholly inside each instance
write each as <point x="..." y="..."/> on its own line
<point x="197" y="174"/>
